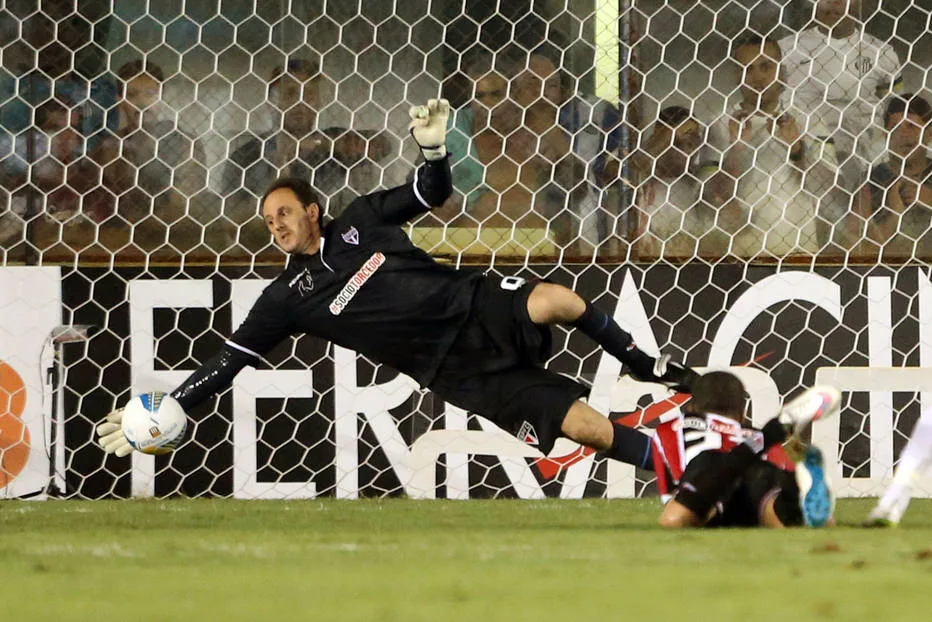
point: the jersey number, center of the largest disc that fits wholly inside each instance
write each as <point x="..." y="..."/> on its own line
<point x="512" y="283"/>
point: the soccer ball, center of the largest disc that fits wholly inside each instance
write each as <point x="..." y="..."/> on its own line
<point x="154" y="423"/>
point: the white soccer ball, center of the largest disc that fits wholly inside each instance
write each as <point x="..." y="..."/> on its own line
<point x="154" y="423"/>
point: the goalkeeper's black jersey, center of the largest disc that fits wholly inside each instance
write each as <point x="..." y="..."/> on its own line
<point x="369" y="289"/>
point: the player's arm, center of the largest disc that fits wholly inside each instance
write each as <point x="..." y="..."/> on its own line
<point x="266" y="325"/>
<point x="888" y="75"/>
<point x="433" y="181"/>
<point x="702" y="489"/>
<point x="739" y="155"/>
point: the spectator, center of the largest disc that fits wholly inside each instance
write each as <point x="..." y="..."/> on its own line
<point x="594" y="128"/>
<point x="897" y="201"/>
<point x="673" y="218"/>
<point x="18" y="201"/>
<point x="767" y="154"/>
<point x="517" y="154"/>
<point x="840" y="76"/>
<point x="60" y="178"/>
<point x="491" y="89"/>
<point x="296" y="149"/>
<point x="151" y="170"/>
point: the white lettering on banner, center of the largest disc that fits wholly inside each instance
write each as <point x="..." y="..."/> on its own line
<point x="373" y="402"/>
<point x="356" y="282"/>
<point x="769" y="291"/>
<point x="415" y="466"/>
<point x="30" y="307"/>
<point x="881" y="380"/>
<point x="144" y="297"/>
<point x="249" y="386"/>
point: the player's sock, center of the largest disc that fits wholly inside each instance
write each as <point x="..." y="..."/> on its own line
<point x="630" y="446"/>
<point x="605" y="331"/>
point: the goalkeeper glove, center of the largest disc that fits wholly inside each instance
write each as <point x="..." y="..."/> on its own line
<point x="429" y="128"/>
<point x="110" y="435"/>
<point x="664" y="371"/>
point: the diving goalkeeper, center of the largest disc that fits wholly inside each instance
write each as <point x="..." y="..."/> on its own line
<point x="477" y="341"/>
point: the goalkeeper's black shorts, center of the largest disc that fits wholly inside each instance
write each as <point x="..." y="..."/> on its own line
<point x="495" y="367"/>
<point x="743" y="502"/>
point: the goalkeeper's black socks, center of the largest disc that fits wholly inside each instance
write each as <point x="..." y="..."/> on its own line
<point x="605" y="331"/>
<point x="630" y="446"/>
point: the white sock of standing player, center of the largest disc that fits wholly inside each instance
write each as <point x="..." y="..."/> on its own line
<point x="915" y="458"/>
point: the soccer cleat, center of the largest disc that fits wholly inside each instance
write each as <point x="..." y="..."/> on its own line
<point x="892" y="505"/>
<point x="816" y="498"/>
<point x="812" y="404"/>
<point x="881" y="519"/>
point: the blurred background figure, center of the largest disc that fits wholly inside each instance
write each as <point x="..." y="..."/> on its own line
<point x="151" y="170"/>
<point x="897" y="200"/>
<point x="513" y="163"/>
<point x="673" y="217"/>
<point x="767" y="156"/>
<point x="593" y="127"/>
<point x="296" y="148"/>
<point x="840" y="77"/>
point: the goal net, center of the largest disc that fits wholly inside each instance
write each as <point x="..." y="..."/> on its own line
<point x="740" y="183"/>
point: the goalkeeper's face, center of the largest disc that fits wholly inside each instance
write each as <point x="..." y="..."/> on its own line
<point x="295" y="227"/>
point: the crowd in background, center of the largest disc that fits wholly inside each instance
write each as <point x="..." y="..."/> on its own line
<point x="822" y="153"/>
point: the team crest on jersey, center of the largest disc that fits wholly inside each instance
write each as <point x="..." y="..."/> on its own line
<point x="351" y="236"/>
<point x="863" y="65"/>
<point x="528" y="434"/>
<point x="304" y="281"/>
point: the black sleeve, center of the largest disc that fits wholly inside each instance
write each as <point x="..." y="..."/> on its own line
<point x="211" y="377"/>
<point x="266" y="325"/>
<point x="268" y="322"/>
<point x="432" y="185"/>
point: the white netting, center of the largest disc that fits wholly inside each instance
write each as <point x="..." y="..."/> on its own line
<point x="605" y="145"/>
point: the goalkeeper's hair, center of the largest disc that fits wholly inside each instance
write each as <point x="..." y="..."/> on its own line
<point x="301" y="188"/>
<point x="718" y="392"/>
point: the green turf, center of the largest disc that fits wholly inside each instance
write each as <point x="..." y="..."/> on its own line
<point x="446" y="561"/>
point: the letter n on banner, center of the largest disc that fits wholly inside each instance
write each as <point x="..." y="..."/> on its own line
<point x="30" y="307"/>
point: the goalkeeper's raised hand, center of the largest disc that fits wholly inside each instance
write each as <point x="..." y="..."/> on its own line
<point x="429" y="128"/>
<point x="110" y="435"/>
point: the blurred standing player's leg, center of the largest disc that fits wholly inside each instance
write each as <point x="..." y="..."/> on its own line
<point x="915" y="459"/>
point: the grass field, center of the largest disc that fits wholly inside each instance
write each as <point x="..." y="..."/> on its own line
<point x="436" y="560"/>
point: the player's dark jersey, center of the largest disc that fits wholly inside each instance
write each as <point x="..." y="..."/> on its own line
<point x="680" y="437"/>
<point x="369" y="289"/>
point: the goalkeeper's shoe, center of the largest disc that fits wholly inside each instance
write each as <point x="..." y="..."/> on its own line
<point x="812" y="404"/>
<point x="816" y="497"/>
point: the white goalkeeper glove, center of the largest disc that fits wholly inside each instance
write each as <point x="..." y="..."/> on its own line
<point x="110" y="435"/>
<point x="429" y="128"/>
